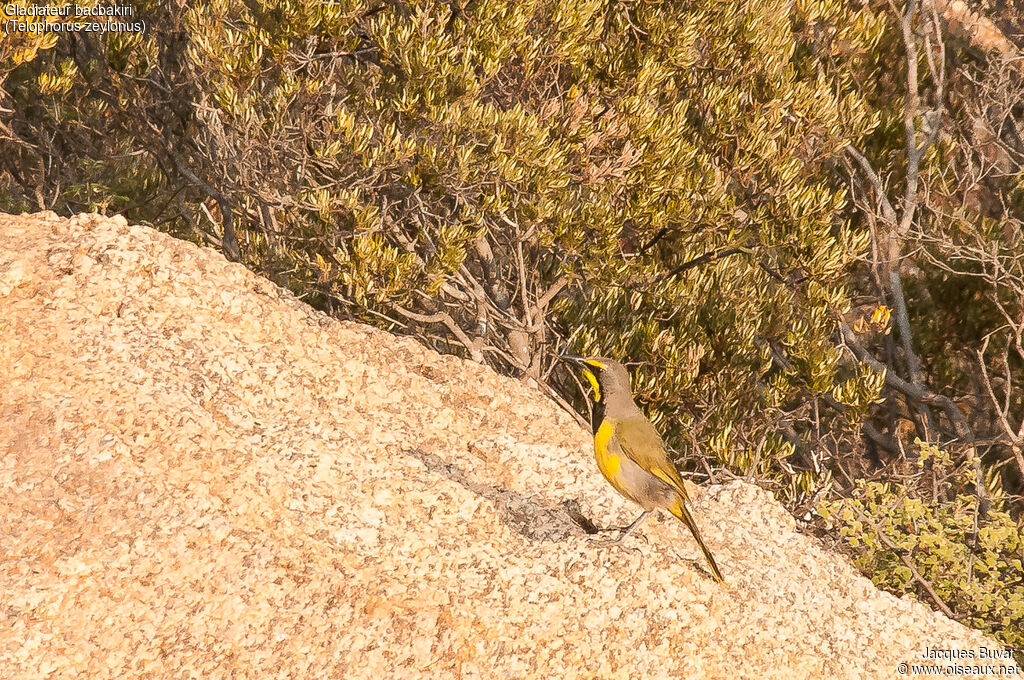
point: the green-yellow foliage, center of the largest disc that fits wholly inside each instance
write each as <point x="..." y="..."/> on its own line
<point x="982" y="583"/>
<point x="20" y="47"/>
<point x="624" y="139"/>
<point x="743" y="135"/>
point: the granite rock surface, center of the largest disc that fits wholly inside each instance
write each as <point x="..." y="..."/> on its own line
<point x="200" y="476"/>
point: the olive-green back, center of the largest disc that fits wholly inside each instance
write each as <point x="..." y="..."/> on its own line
<point x="641" y="442"/>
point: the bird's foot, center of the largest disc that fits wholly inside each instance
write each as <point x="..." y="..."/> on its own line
<point x="622" y="532"/>
<point x="615" y="537"/>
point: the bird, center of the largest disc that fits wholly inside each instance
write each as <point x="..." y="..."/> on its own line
<point x="630" y="453"/>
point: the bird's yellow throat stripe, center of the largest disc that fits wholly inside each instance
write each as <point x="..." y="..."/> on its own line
<point x="607" y="462"/>
<point x="592" y="379"/>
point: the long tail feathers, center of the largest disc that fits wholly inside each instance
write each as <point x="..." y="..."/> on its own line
<point x="680" y="510"/>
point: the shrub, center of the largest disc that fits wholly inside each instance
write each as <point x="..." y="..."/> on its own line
<point x="941" y="550"/>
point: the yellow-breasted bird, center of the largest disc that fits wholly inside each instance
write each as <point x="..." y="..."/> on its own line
<point x="630" y="453"/>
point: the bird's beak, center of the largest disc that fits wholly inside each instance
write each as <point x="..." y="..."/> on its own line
<point x="572" y="359"/>
<point x="584" y="368"/>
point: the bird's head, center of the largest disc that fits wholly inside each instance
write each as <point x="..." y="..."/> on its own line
<point x="608" y="377"/>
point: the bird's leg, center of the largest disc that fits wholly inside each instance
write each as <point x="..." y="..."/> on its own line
<point x="628" y="529"/>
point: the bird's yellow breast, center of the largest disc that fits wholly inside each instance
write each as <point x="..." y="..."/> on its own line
<point x="608" y="461"/>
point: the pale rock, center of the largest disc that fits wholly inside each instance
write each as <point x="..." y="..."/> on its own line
<point x="200" y="476"/>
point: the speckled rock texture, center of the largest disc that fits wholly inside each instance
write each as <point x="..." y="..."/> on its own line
<point x="201" y="477"/>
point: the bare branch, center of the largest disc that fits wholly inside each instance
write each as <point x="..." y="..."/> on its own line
<point x="475" y="352"/>
<point x="1002" y="411"/>
<point x="550" y="293"/>
<point x="888" y="213"/>
<point x="910" y="109"/>
<point x="907" y="340"/>
<point x="702" y="259"/>
<point x="229" y="242"/>
<point x="921" y="393"/>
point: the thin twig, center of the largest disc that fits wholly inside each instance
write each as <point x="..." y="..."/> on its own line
<point x="702" y="259"/>
<point x="908" y="562"/>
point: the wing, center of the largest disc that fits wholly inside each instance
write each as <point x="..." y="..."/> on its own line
<point x="641" y="442"/>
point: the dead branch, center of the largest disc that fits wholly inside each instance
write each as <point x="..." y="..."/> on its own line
<point x="229" y="242"/>
<point x="888" y="213"/>
<point x="921" y="393"/>
<point x="1016" y="438"/>
<point x="474" y="349"/>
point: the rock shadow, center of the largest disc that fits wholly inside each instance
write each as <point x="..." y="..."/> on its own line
<point x="523" y="514"/>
